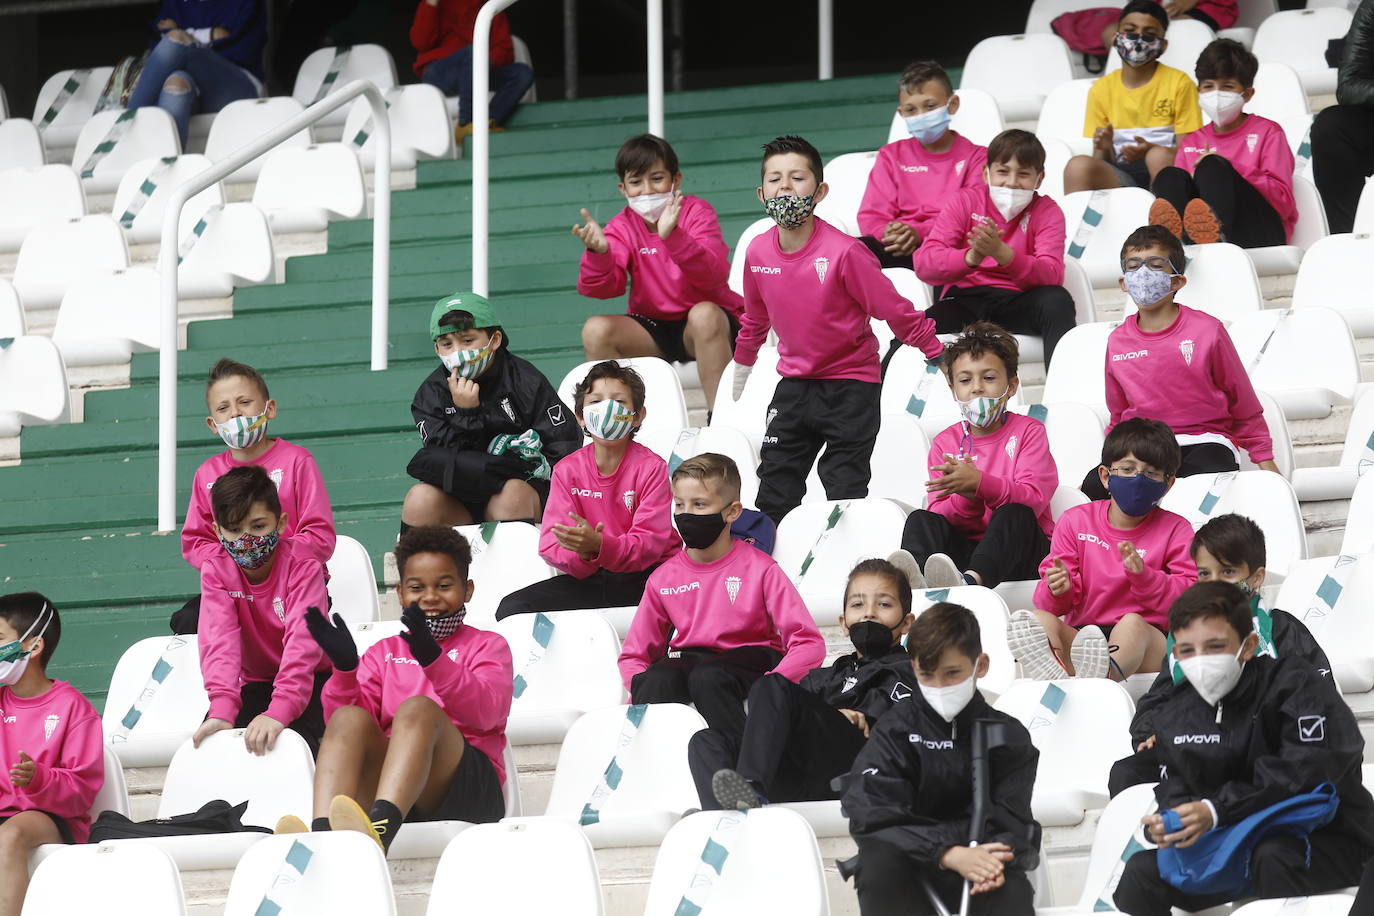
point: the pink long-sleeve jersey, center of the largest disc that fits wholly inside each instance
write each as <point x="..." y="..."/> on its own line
<point x="471" y="680"/>
<point x="635" y="504"/>
<point x="820" y="299"/>
<point x="1036" y="239"/>
<point x="1258" y="150"/>
<point x="742" y="599"/>
<point x="667" y="276"/>
<point x="1016" y="465"/>
<point x="257" y="632"/>
<point x="60" y="730"/>
<point x="304" y="500"/>
<point x="1189" y="376"/>
<point x="910" y="184"/>
<point x="1101" y="590"/>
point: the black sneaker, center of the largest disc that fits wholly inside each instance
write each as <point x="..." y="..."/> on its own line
<point x="735" y="793"/>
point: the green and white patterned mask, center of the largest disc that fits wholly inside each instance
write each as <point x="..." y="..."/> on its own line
<point x="608" y="420"/>
<point x="244" y="432"/>
<point x="983" y="412"/>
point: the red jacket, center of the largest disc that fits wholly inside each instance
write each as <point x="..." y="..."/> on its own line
<point x="439" y="31"/>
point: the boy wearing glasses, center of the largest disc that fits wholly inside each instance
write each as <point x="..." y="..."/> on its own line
<point x="1114" y="568"/>
<point x="1173" y="363"/>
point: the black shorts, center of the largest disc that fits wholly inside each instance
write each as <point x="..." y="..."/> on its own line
<point x="256" y="696"/>
<point x="667" y="335"/>
<point x="1132" y="174"/>
<point x="64" y="829"/>
<point x="478" y="510"/>
<point x="474" y="793"/>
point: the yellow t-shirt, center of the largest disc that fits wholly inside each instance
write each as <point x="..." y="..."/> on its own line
<point x="1162" y="110"/>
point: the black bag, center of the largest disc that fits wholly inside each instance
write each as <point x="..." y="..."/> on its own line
<point x="216" y="816"/>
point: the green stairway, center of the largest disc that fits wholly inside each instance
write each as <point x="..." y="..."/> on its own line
<point x="77" y="514"/>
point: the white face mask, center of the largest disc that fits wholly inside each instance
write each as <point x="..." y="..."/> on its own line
<point x="1221" y="107"/>
<point x="1213" y="676"/>
<point x="651" y="206"/>
<point x="16" y="658"/>
<point x="949" y="701"/>
<point x="1010" y="201"/>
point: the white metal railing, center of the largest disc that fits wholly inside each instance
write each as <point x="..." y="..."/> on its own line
<point x="168" y="260"/>
<point x="825" y="54"/>
<point x="654" y="16"/>
<point x="481" y="141"/>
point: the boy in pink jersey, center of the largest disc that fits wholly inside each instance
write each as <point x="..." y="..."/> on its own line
<point x="717" y="615"/>
<point x="1232" y="179"/>
<point x="818" y="288"/>
<point x="608" y="523"/>
<point x="50" y="740"/>
<point x="239" y="405"/>
<point x="668" y="244"/>
<point x="262" y="670"/>
<point x="417" y="726"/>
<point x="1176" y="364"/>
<point x="991" y="477"/>
<point x="1114" y="567"/>
<point x="997" y="249"/>
<point x="912" y="178"/>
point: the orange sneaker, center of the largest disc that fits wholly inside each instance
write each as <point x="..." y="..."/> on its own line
<point x="1201" y="223"/>
<point x="1163" y="213"/>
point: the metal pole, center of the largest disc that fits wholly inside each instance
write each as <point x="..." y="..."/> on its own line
<point x="826" y="52"/>
<point x="655" y="17"/>
<point x="168" y="259"/>
<point x="569" y="49"/>
<point x="678" y="34"/>
<point x="481" y="141"/>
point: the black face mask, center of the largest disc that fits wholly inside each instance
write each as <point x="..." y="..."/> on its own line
<point x="871" y="638"/>
<point x="699" y="531"/>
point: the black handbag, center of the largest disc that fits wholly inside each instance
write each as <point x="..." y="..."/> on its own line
<point x="216" y="816"/>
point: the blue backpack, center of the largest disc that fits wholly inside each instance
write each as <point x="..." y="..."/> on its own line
<point x="1219" y="862"/>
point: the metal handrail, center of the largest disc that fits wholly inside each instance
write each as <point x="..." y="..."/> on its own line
<point x="481" y="141"/>
<point x="168" y="262"/>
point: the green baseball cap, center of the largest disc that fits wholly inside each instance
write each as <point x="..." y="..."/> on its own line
<point x="483" y="315"/>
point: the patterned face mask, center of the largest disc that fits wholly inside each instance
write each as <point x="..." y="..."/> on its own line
<point x="469" y="363"/>
<point x="788" y="210"/>
<point x="982" y="412"/>
<point x="608" y="420"/>
<point x="251" y="550"/>
<point x="243" y="432"/>
<point x="442" y="627"/>
<point x="1135" y="49"/>
<point x="1146" y="286"/>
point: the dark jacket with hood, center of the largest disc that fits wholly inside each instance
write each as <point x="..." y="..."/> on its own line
<point x="1355" y="79"/>
<point x="871" y="685"/>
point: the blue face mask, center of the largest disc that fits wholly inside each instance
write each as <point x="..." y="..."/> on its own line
<point x="929" y="127"/>
<point x="1137" y="495"/>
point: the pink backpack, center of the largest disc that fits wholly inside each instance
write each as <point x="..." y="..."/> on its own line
<point x="1082" y="32"/>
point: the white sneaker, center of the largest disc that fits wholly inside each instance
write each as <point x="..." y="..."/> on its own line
<point x="942" y="573"/>
<point x="1089" y="653"/>
<point x="1030" y="645"/>
<point x="903" y="560"/>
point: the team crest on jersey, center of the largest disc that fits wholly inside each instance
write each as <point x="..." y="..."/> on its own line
<point x="1186" y="348"/>
<point x="1251" y="141"/>
<point x="732" y="587"/>
<point x="50" y="726"/>
<point x="822" y="267"/>
<point x="959" y="167"/>
<point x="849" y="683"/>
<point x="510" y="411"/>
<point x="768" y="421"/>
<point x="1011" y="447"/>
<point x="629" y="497"/>
<point x="275" y="476"/>
<point x="279" y="608"/>
<point x="453" y="655"/>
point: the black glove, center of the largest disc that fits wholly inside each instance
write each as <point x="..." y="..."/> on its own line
<point x="423" y="646"/>
<point x="333" y="638"/>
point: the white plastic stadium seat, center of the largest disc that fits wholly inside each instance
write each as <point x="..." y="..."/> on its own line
<point x="1076" y="432"/>
<point x="1320" y="905"/>
<point x="1263" y="496"/>
<point x="847" y="177"/>
<point x="749" y="414"/>
<point x="755" y="229"/>
<point x="911" y="386"/>
<point x="240" y="121"/>
<point x="106" y="319"/>
<point x="1359" y="524"/>
<point x="352" y="584"/>
<point x="55" y="255"/>
<point x="1284" y="100"/>
<point x="1332" y="595"/>
<point x="235" y="249"/>
<point x="1062" y="116"/>
<point x="156" y="700"/>
<point x="522" y="56"/>
<point x="312" y="874"/>
<point x="738" y="864"/>
<point x="1065" y="497"/>
<point x="1221" y="282"/>
<point x="301" y="189"/>
<point x="79" y="879"/>
<point x="990" y="609"/>
<point x="727" y="441"/>
<point x="1076" y="373"/>
<point x="21" y="146"/>
<point x="505" y="558"/>
<point x="1019" y="71"/>
<point x="420" y="127"/>
<point x="1123" y="211"/>
<point x="665" y="408"/>
<point x="112" y="796"/>
<point x="363" y="62"/>
<point x="33" y="196"/>
<point x="33" y="384"/>
<point x="863" y="528"/>
<point x="1357" y="457"/>
<point x="1118" y="836"/>
<point x="901" y="439"/>
<point x="277" y="783"/>
<point x="1364" y="210"/>
<point x="62" y="131"/>
<point x="1306" y="359"/>
<point x="1081" y="726"/>
<point x="487" y="866"/>
<point x="1187" y="37"/>
<point x="147" y="221"/>
<point x="1057" y="156"/>
<point x="565" y="664"/>
<point x="12" y="323"/>
<point x="1311" y="228"/>
<point x="1298" y="38"/>
<point x="655" y="784"/>
<point x="152" y="133"/>
<point x="978" y="118"/>
<point x="1329" y="278"/>
<point x="1278" y="434"/>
